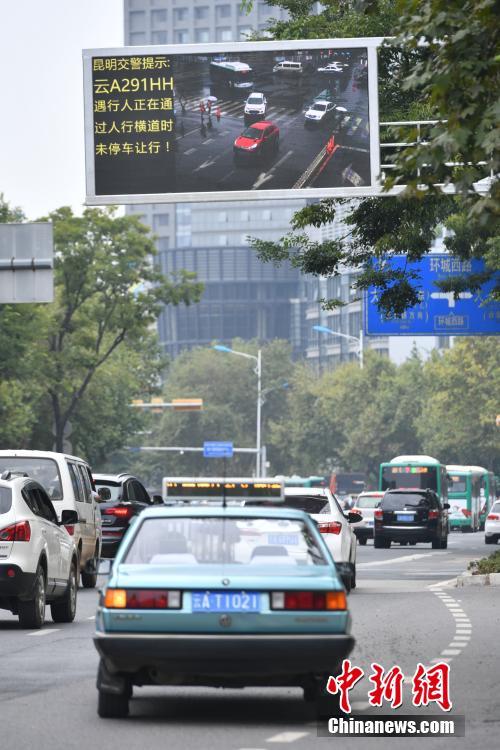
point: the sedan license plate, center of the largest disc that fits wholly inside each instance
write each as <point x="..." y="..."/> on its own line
<point x="405" y="517"/>
<point x="290" y="540"/>
<point x="369" y="523"/>
<point x="225" y="601"/>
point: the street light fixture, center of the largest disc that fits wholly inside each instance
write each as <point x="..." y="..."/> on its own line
<point x="258" y="372"/>
<point x="324" y="329"/>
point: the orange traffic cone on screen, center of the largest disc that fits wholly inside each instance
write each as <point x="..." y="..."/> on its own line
<point x="330" y="145"/>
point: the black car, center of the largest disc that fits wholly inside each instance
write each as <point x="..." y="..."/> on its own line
<point x="122" y="496"/>
<point x="411" y="516"/>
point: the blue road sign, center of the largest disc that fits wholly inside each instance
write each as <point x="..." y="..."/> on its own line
<point x="217" y="449"/>
<point x="438" y="313"/>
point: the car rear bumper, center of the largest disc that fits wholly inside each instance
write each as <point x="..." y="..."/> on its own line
<point x="407" y="533"/>
<point x="14" y="582"/>
<point x="234" y="657"/>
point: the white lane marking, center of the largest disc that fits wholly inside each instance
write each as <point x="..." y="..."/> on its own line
<point x="47" y="631"/>
<point x="442" y="583"/>
<point x="92" y="617"/>
<point x="265" y="176"/>
<point x="209" y="140"/>
<point x="393" y="560"/>
<point x="451" y="651"/>
<point x="463" y="631"/>
<point x="287" y="737"/>
<point x="189" y="151"/>
<point x="439" y="659"/>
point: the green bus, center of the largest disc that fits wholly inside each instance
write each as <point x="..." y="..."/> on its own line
<point x="472" y="492"/>
<point x="415" y="473"/>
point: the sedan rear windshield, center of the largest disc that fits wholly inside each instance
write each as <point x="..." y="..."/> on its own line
<point x="368" y="502"/>
<point x="238" y="540"/>
<point x="5" y="499"/>
<point x="495" y="508"/>
<point x="404" y="500"/>
<point x="309" y="504"/>
<point x="43" y="470"/>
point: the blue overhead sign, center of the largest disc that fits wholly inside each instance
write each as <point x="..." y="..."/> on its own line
<point x="438" y="313"/>
<point x="217" y="449"/>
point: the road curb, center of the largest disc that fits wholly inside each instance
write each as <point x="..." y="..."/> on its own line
<point x="486" y="579"/>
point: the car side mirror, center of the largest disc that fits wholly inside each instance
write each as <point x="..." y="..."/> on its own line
<point x="354" y="517"/>
<point x="104" y="493"/>
<point x="68" y="518"/>
<point x="157" y="500"/>
<point x="446" y="506"/>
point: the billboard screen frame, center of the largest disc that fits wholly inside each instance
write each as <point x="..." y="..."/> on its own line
<point x="369" y="43"/>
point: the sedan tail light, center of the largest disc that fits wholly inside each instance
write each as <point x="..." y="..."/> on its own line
<point x="378" y="514"/>
<point x="120" y="511"/>
<point x="433" y="514"/>
<point x="330" y="527"/>
<point x="142" y="599"/>
<point x="309" y="600"/>
<point x="18" y="532"/>
<point x="493" y="517"/>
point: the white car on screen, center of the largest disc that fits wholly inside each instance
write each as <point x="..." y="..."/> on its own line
<point x="365" y="505"/>
<point x="320" y="111"/>
<point x="333" y="67"/>
<point x="334" y="525"/>
<point x="255" y="105"/>
<point x="492" y="524"/>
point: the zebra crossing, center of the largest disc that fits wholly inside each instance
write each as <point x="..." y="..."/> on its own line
<point x="351" y="124"/>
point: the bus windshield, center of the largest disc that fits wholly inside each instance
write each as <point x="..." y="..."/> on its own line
<point x="457" y="483"/>
<point x="410" y="477"/>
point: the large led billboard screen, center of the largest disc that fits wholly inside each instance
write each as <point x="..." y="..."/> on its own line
<point x="247" y="120"/>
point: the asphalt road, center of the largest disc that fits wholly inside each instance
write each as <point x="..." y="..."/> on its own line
<point x="204" y="146"/>
<point x="403" y="609"/>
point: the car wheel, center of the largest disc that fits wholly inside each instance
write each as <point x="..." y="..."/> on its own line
<point x="444" y="543"/>
<point x="89" y="574"/>
<point x="489" y="540"/>
<point x="347" y="581"/>
<point x="353" y="577"/>
<point x="413" y="544"/>
<point x="32" y="612"/>
<point x="64" y="609"/>
<point x="112" y="706"/>
<point x="378" y="542"/>
<point x="362" y="540"/>
<point x="436" y="544"/>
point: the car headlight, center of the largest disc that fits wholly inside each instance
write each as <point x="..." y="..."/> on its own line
<point x="253" y="146"/>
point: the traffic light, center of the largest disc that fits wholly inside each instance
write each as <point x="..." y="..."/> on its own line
<point x="187" y="404"/>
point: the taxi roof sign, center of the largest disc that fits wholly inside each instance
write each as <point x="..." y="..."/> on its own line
<point x="187" y="489"/>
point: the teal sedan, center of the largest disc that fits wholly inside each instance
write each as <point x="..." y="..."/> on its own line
<point x="224" y="597"/>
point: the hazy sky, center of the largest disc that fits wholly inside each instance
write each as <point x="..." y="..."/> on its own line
<point x="42" y="162"/>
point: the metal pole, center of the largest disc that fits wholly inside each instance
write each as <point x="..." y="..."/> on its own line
<point x="361" y="358"/>
<point x="259" y="408"/>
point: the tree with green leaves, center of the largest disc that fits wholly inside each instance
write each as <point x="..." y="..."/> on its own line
<point x="108" y="294"/>
<point x="441" y="63"/>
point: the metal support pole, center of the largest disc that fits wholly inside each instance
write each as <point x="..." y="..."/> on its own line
<point x="361" y="342"/>
<point x="258" y="467"/>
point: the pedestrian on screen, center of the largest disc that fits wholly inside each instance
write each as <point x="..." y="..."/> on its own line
<point x="209" y="106"/>
<point x="202" y="110"/>
<point x="209" y="123"/>
<point x="218" y="114"/>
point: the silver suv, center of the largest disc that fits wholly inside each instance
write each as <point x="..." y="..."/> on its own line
<point x="38" y="558"/>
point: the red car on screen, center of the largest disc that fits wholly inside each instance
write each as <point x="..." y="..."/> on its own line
<point x="259" y="140"/>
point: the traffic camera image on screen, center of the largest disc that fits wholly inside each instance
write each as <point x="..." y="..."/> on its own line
<point x="241" y="121"/>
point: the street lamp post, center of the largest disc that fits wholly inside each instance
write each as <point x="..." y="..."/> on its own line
<point x="258" y="372"/>
<point x="324" y="329"/>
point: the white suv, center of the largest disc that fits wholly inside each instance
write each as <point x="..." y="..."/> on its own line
<point x="333" y="524"/>
<point x="69" y="485"/>
<point x="38" y="558"/>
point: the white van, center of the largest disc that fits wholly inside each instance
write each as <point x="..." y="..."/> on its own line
<point x="69" y="484"/>
<point x="288" y="66"/>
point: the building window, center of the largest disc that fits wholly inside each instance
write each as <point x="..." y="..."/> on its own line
<point x="137" y="38"/>
<point x="202" y="35"/>
<point x="223" y="11"/>
<point x="222" y="216"/>
<point x="160" y="220"/>
<point x="180" y="14"/>
<point x="163" y="244"/>
<point x="244" y="32"/>
<point x="158" y="17"/>
<point x="137" y="20"/>
<point x="222" y="239"/>
<point x="181" y="36"/>
<point x="265" y="11"/>
<point x="224" y="35"/>
<point x="245" y="216"/>
<point x="158" y="37"/>
<point x="201" y="13"/>
<point x="267" y="215"/>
